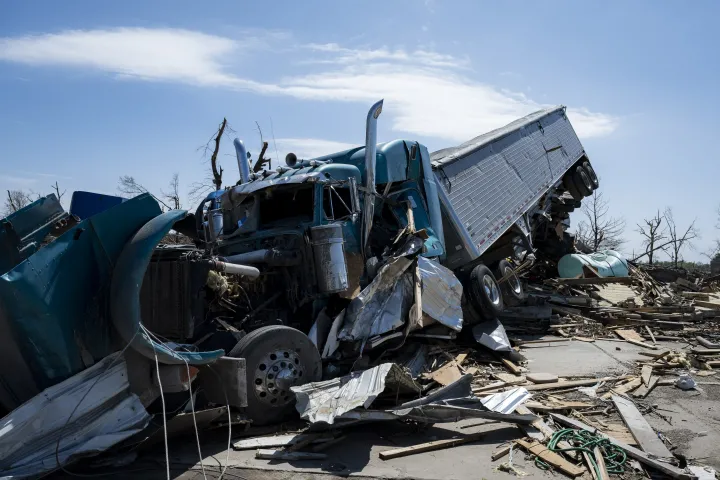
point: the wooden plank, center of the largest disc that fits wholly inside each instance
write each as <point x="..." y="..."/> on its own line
<point x="627" y="334"/>
<point x="446" y="374"/>
<point x="640" y="428"/>
<point x="624" y="388"/>
<point x="590" y="466"/>
<point x="701" y="303"/>
<point x="645" y="390"/>
<point x="538" y="430"/>
<point x="652" y="337"/>
<point x="593" y="281"/>
<point x="584" y="339"/>
<point x="706" y="351"/>
<point x="602" y="473"/>
<point x="268" y="442"/>
<point x="430" y="446"/>
<point x="642" y="344"/>
<point x="633" y="452"/>
<point x="325" y="445"/>
<point x="646" y="374"/>
<point x="574" y="383"/>
<point x="549" y="340"/>
<point x="288" y="456"/>
<point x="500" y="452"/>
<point x="511" y="366"/>
<point x="554" y="407"/>
<point x="496" y="385"/>
<point x="554" y="459"/>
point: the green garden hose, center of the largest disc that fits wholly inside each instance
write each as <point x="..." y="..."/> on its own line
<point x="584" y="441"/>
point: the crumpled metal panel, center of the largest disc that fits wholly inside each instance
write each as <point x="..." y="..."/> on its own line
<point x="104" y="413"/>
<point x="441" y="293"/>
<point x="491" y="334"/>
<point x="325" y="401"/>
<point x="506" y="402"/>
<point x="275" y="180"/>
<point x="127" y="279"/>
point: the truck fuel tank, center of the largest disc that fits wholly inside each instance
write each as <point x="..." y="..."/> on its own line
<point x="329" y="252"/>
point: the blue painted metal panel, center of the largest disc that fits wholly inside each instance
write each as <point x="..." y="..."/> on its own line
<point x="86" y="204"/>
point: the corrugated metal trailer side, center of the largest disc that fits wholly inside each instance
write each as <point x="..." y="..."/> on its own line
<point x="489" y="183"/>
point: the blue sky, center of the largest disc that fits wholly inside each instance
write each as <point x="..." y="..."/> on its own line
<point x="92" y="90"/>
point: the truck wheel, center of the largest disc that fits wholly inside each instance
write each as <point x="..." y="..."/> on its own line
<point x="593" y="176"/>
<point x="276" y="358"/>
<point x="582" y="181"/>
<point x="570" y="186"/>
<point x="484" y="292"/>
<point x="512" y="290"/>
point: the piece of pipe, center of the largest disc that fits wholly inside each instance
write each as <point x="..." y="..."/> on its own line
<point x="272" y="257"/>
<point x="242" y="160"/>
<point x="234" y="268"/>
<point x="370" y="153"/>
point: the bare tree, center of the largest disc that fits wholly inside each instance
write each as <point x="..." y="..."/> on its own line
<point x="57" y="191"/>
<point x="129" y="186"/>
<point x="653" y="233"/>
<point x="261" y="160"/>
<point x="214" y="179"/>
<point x="599" y="230"/>
<point x="16" y="199"/>
<point x="678" y="239"/>
<point x="173" y="196"/>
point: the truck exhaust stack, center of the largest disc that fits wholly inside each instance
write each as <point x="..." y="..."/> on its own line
<point x="242" y="160"/>
<point x="370" y="152"/>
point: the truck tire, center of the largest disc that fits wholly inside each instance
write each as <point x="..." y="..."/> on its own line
<point x="276" y="358"/>
<point x="484" y="293"/>
<point x="512" y="290"/>
<point x="582" y="181"/>
<point x="569" y="183"/>
<point x="593" y="176"/>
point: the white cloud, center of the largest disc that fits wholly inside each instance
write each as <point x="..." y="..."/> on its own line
<point x="22" y="182"/>
<point x="310" y="147"/>
<point x="425" y="92"/>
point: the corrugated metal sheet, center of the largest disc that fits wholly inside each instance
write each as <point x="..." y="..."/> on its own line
<point x="493" y="179"/>
<point x="506" y="402"/>
<point x="86" y="414"/>
<point x="325" y="401"/>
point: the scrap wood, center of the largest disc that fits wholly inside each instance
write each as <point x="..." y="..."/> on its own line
<point x="602" y="473"/>
<point x="627" y="334"/>
<point x="652" y="337"/>
<point x="541" y="407"/>
<point x="589" y="465"/>
<point x="574" y="383"/>
<point x="584" y="339"/>
<point x="644" y="390"/>
<point x="500" y="452"/>
<point x="288" y="456"/>
<point x="511" y="366"/>
<point x="640" y="428"/>
<point x="646" y="374"/>
<point x="547" y="340"/>
<point x="325" y="445"/>
<point x="550" y="457"/>
<point x="712" y="305"/>
<point x="447" y="374"/>
<point x="497" y="385"/>
<point x="706" y="351"/>
<point x="268" y="442"/>
<point x="633" y="452"/>
<point x="430" y="446"/>
<point x="624" y="388"/>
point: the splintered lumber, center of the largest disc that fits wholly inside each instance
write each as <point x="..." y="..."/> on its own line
<point x="713" y="363"/>
<point x="640" y="428"/>
<point x="641" y="344"/>
<point x="706" y="351"/>
<point x="269" y="442"/>
<point x="593" y="281"/>
<point x="549" y="340"/>
<point x="644" y="390"/>
<point x="554" y="407"/>
<point x="288" y="456"/>
<point x="646" y="374"/>
<point x="624" y="388"/>
<point x="602" y="473"/>
<point x="626" y="334"/>
<point x="496" y="385"/>
<point x="652" y="337"/>
<point x="552" y="458"/>
<point x="713" y="305"/>
<point x="574" y="383"/>
<point x="511" y="366"/>
<point x="430" y="446"/>
<point x="500" y="452"/>
<point x="632" y="452"/>
<point x="590" y="466"/>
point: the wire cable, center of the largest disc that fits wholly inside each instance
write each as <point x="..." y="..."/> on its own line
<point x="192" y="407"/>
<point x="162" y="400"/>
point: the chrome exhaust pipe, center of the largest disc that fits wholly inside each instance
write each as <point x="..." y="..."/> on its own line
<point x="242" y="160"/>
<point x="370" y="158"/>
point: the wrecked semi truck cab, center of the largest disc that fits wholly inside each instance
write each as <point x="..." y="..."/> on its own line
<point x="318" y="230"/>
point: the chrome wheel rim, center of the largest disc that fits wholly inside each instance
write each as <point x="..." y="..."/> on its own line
<point x="491" y="290"/>
<point x="514" y="281"/>
<point x="275" y="374"/>
<point x="586" y="180"/>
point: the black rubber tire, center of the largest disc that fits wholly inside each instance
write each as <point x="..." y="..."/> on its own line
<point x="512" y="289"/>
<point x="479" y="297"/>
<point x="582" y="181"/>
<point x="570" y="186"/>
<point x="593" y="176"/>
<point x="254" y="348"/>
<point x="372" y="266"/>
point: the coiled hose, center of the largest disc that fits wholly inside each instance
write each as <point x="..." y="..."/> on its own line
<point x="584" y="441"/>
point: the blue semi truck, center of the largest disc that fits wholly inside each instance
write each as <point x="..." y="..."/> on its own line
<point x="316" y="230"/>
